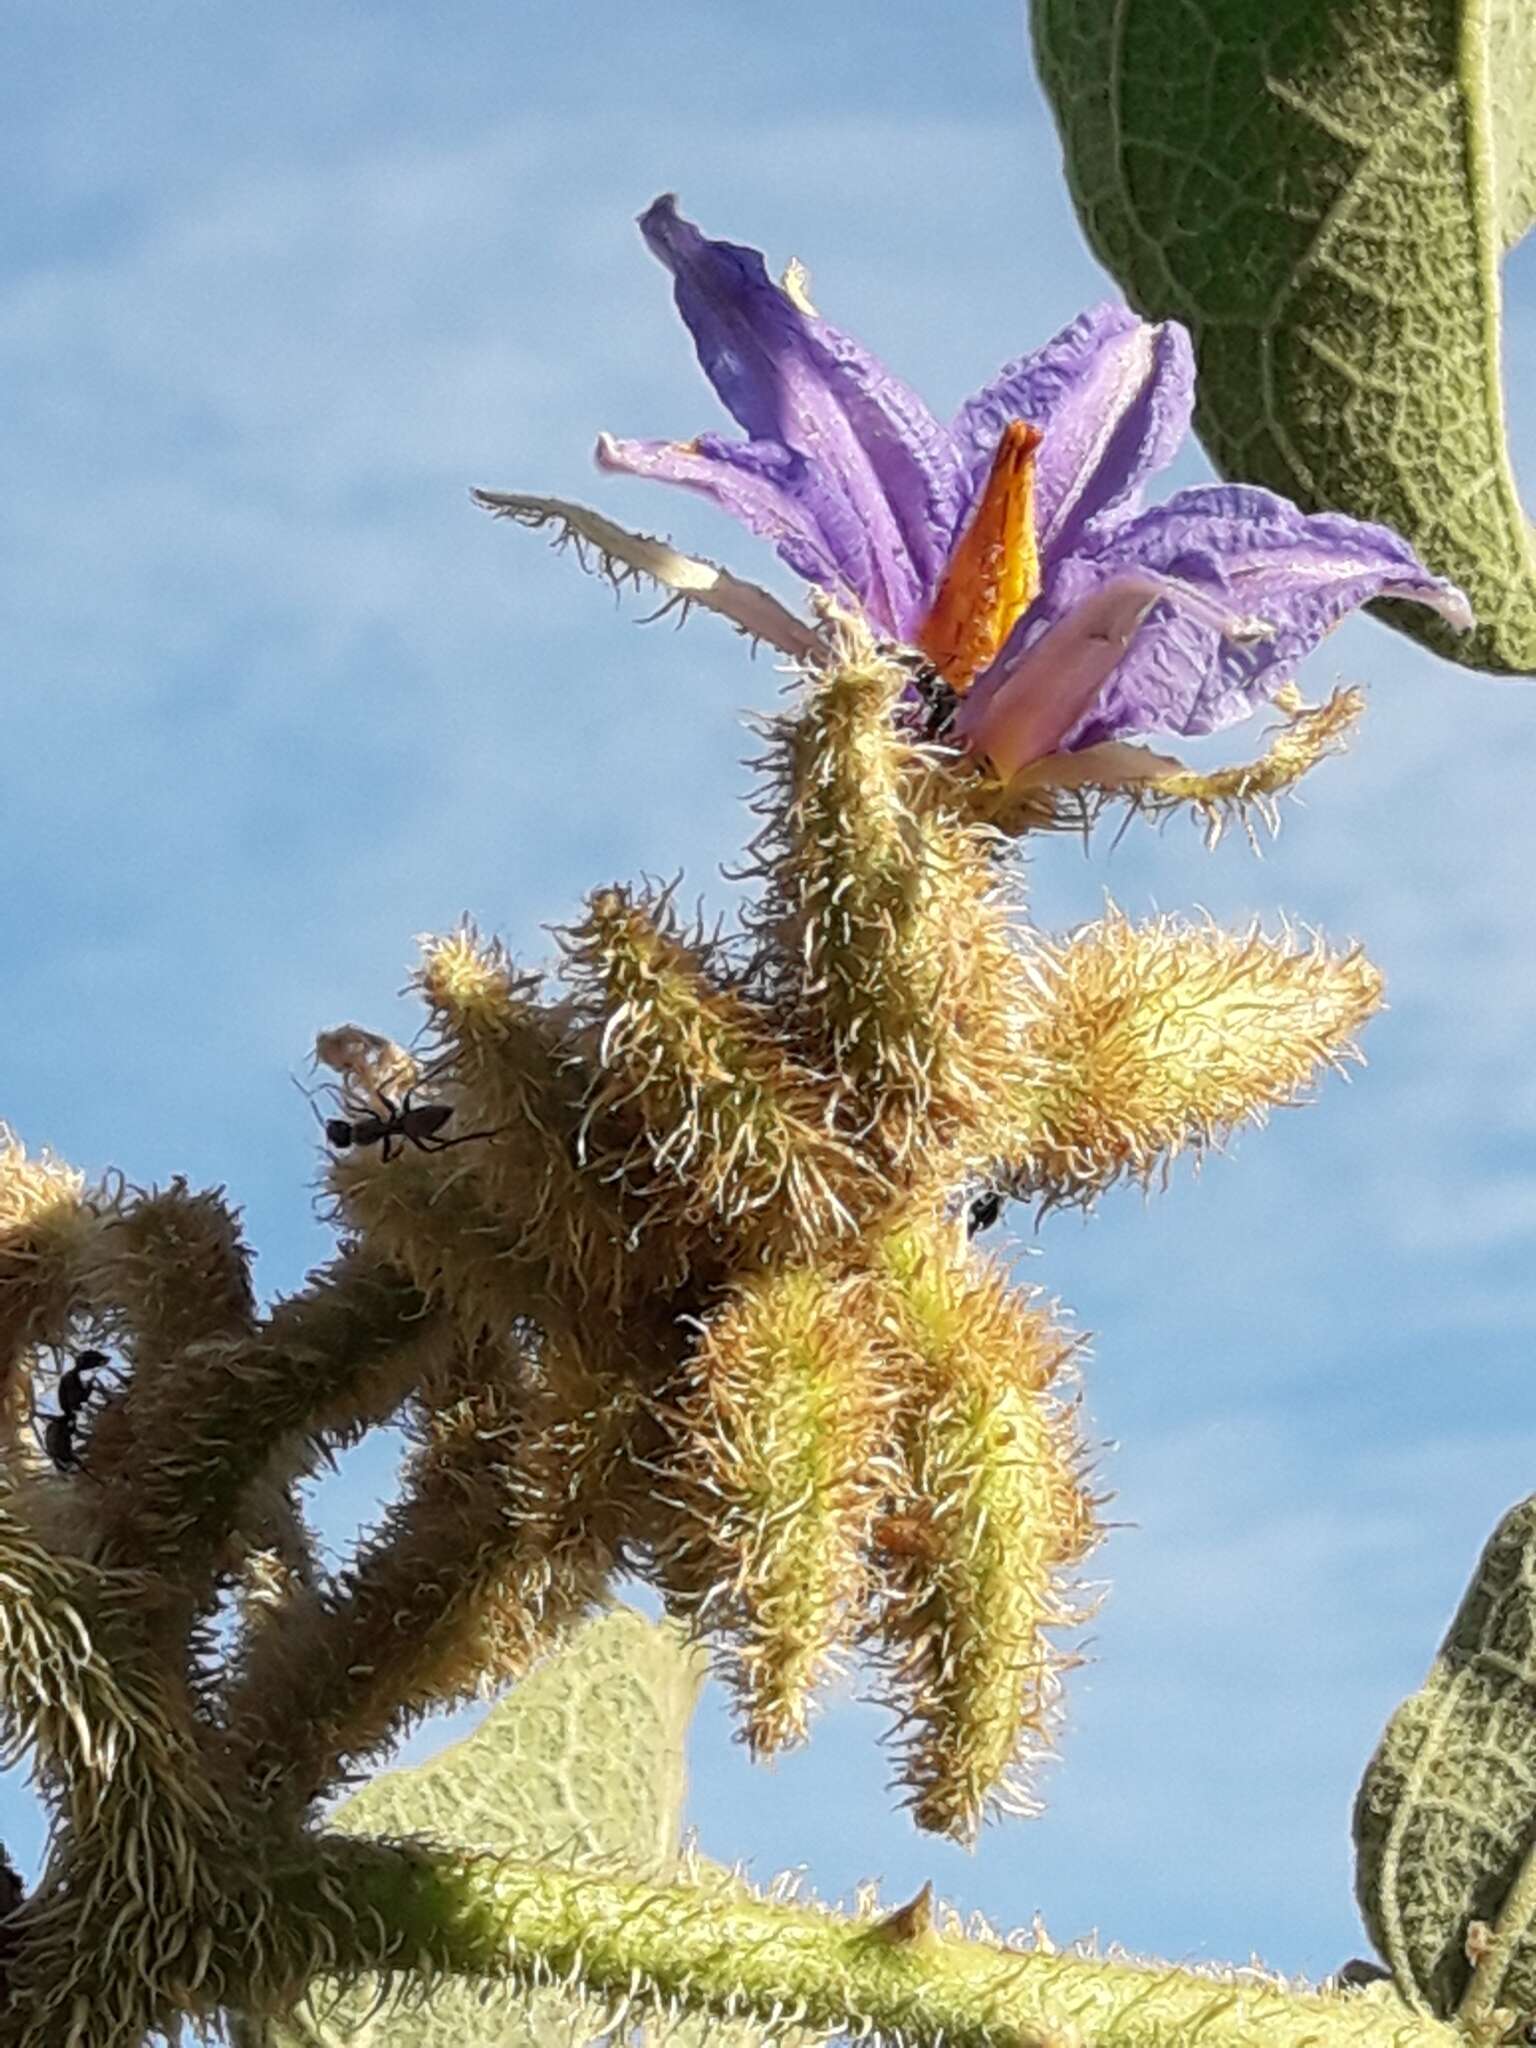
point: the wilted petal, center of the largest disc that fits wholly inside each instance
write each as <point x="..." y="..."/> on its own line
<point x="909" y="451"/>
<point x="1112" y="396"/>
<point x="1037" y="693"/>
<point x="786" y="376"/>
<point x="1113" y="764"/>
<point x="1179" y="677"/>
<point x="623" y="557"/>
<point x="1286" y="577"/>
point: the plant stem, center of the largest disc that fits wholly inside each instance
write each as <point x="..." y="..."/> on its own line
<point x="688" y="1949"/>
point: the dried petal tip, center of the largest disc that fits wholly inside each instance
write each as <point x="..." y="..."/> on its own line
<point x="624" y="557"/>
<point x="371" y="1066"/>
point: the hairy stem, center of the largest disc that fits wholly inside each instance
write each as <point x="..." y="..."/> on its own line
<point x="175" y="1459"/>
<point x="900" y="1977"/>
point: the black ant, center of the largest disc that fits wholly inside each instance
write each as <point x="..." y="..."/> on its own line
<point x="407" y="1123"/>
<point x="983" y="1212"/>
<point x="78" y="1384"/>
<point x="929" y="703"/>
<point x="59" y="1443"/>
<point x="75" y="1389"/>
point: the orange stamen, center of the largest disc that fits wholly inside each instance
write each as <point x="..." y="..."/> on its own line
<point x="994" y="572"/>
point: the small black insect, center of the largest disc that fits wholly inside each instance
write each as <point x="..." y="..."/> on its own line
<point x="1358" y="1972"/>
<point x="983" y="1213"/>
<point x="940" y="703"/>
<point x="77" y="1385"/>
<point x="61" y="1431"/>
<point x="406" y="1123"/>
<point x="59" y="1443"/>
<point x="931" y="705"/>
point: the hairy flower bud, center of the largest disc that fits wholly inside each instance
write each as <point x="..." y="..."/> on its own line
<point x="1163" y="1037"/>
<point x="885" y="928"/>
<point x="47" y="1229"/>
<point x="701" y="1109"/>
<point x="776" y="1476"/>
<point x="509" y="1060"/>
<point x="990" y="1513"/>
<point x="175" y="1271"/>
<point x="431" y="1218"/>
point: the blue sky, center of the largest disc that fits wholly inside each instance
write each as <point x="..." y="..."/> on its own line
<point x="276" y="287"/>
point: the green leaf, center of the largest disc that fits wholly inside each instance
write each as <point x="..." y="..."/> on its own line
<point x="1321" y="190"/>
<point x="583" y="1762"/>
<point x="1512" y="78"/>
<point x="1446" y="1816"/>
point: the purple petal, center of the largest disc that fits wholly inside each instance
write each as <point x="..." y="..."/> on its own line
<point x="787" y="377"/>
<point x="1036" y="694"/>
<point x="1178" y="676"/>
<point x="1299" y="574"/>
<point x="1112" y="396"/>
<point x="1303" y="571"/>
<point x="1251" y="585"/>
<point x="771" y="490"/>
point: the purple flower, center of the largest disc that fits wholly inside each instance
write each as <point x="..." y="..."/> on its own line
<point x="1011" y="546"/>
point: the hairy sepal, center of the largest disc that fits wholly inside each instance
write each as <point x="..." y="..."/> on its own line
<point x="884" y="927"/>
<point x="48" y="1229"/>
<point x="1163" y="1037"/>
<point x="776" y="1472"/>
<point x="989" y="1517"/>
<point x="1072" y="792"/>
<point x="175" y="1271"/>
<point x="510" y="1061"/>
<point x="701" y="1110"/>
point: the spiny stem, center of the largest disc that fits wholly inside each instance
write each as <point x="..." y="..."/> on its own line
<point x="175" y="1459"/>
<point x="804" y="1965"/>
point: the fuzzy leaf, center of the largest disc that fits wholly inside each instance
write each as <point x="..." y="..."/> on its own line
<point x="1321" y="191"/>
<point x="581" y="1763"/>
<point x="1446" y="1812"/>
<point x="1512" y="72"/>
